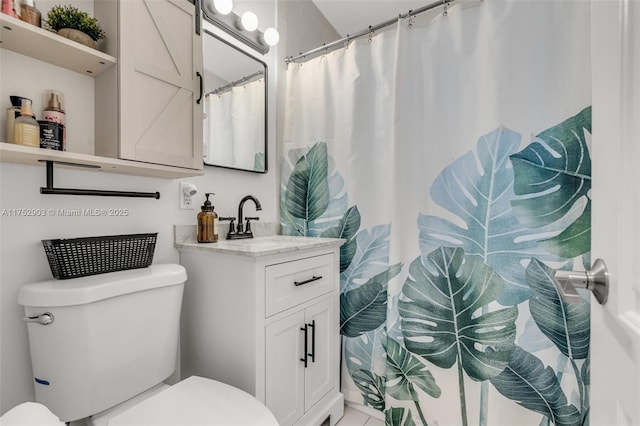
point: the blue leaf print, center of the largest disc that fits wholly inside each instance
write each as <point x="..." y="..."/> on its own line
<point x="478" y="188"/>
<point x="370" y="259"/>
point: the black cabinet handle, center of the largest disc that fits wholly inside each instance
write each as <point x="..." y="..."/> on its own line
<point x="310" y="280"/>
<point x="313" y="340"/>
<point x="306" y="348"/>
<point x="201" y="87"/>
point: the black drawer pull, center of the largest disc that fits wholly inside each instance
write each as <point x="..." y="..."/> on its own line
<point x="305" y="360"/>
<point x="310" y="280"/>
<point x="313" y="340"/>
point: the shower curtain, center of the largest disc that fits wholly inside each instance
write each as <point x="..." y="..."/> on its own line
<point x="234" y="127"/>
<point x="451" y="152"/>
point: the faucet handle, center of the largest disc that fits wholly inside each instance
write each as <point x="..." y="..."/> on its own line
<point x="247" y="229"/>
<point x="232" y="226"/>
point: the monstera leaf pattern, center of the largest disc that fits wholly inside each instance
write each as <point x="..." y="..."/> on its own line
<point x="553" y="176"/>
<point x="509" y="215"/>
<point x="446" y="290"/>
<point x="347" y="229"/>
<point x="531" y="385"/>
<point x="372" y="387"/>
<point x="310" y="203"/>
<point x="371" y="257"/>
<point x="365" y="308"/>
<point x="405" y="374"/>
<point x="398" y="416"/>
<point x="478" y="189"/>
<point x="566" y="325"/>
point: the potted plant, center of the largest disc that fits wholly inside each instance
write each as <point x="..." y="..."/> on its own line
<point x="72" y="23"/>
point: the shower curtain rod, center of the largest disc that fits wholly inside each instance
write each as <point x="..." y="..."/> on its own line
<point x="372" y="28"/>
<point x="238" y="82"/>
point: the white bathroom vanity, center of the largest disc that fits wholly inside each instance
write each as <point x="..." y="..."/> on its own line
<point x="263" y="315"/>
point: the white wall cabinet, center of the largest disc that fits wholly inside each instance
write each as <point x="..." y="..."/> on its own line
<point x="268" y="325"/>
<point x="145" y="105"/>
<point x="159" y="118"/>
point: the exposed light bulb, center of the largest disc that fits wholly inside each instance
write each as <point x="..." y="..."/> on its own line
<point x="223" y="7"/>
<point x="271" y="36"/>
<point x="249" y="21"/>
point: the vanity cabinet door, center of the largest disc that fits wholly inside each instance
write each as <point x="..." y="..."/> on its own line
<point x="284" y="370"/>
<point x="291" y="387"/>
<point x="319" y="376"/>
<point x="160" y="54"/>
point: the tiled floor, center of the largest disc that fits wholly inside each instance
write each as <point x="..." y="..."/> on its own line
<point x="353" y="417"/>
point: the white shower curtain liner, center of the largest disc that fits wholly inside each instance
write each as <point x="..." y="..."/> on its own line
<point x="453" y="146"/>
<point x="234" y="129"/>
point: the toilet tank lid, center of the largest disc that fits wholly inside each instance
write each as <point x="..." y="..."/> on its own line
<point x="80" y="291"/>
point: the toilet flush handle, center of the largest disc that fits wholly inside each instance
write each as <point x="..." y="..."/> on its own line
<point x="44" y="319"/>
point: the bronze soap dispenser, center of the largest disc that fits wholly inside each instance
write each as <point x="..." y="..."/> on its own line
<point x="207" y="222"/>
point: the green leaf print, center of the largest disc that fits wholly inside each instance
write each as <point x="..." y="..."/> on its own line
<point x="347" y="229"/>
<point x="535" y="387"/>
<point x="478" y="188"/>
<point x="443" y="319"/>
<point x="566" y="325"/>
<point x="372" y="387"/>
<point x="552" y="177"/>
<point x="398" y="416"/>
<point x="365" y="308"/>
<point x="307" y="195"/>
<point x="405" y="373"/>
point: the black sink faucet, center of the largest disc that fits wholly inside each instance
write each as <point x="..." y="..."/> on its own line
<point x="241" y="206"/>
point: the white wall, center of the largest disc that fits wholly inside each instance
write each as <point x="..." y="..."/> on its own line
<point x="22" y="259"/>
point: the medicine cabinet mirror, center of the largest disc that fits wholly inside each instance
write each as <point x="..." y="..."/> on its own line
<point x="235" y="99"/>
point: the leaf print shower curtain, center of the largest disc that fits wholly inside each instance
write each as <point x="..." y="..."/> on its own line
<point x="451" y="153"/>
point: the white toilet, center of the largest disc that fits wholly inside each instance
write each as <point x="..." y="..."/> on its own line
<point x="102" y="345"/>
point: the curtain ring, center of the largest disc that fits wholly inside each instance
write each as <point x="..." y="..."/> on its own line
<point x="445" y="12"/>
<point x="411" y="20"/>
<point x="370" y="33"/>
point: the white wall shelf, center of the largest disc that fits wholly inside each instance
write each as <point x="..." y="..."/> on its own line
<point x="36" y="156"/>
<point x="47" y="46"/>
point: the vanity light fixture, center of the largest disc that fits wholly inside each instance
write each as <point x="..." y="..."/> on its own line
<point x="243" y="28"/>
<point x="223" y="7"/>
<point x="249" y="21"/>
<point x="271" y="36"/>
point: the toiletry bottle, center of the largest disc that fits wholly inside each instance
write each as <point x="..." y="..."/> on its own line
<point x="13" y="112"/>
<point x="54" y="113"/>
<point x="26" y="130"/>
<point x="29" y="13"/>
<point x="207" y="223"/>
<point x="7" y="7"/>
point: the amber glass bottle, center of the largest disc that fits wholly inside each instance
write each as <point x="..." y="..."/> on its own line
<point x="207" y="223"/>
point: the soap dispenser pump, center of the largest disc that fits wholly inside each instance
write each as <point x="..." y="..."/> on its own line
<point x="207" y="222"/>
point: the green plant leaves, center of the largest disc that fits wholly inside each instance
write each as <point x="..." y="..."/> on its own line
<point x="552" y="176"/>
<point x="405" y="372"/>
<point x="371" y="256"/>
<point x="398" y="416"/>
<point x="68" y="16"/>
<point x="365" y="308"/>
<point x="372" y="388"/>
<point x="527" y="382"/>
<point x="307" y="195"/>
<point x="347" y="229"/>
<point x="566" y="325"/>
<point x="441" y="320"/>
<point x="478" y="188"/>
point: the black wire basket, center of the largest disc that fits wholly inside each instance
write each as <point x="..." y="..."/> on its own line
<point x="80" y="257"/>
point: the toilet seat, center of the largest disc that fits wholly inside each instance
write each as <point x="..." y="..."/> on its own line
<point x="197" y="401"/>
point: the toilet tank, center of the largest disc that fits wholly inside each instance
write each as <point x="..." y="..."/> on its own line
<point x="113" y="336"/>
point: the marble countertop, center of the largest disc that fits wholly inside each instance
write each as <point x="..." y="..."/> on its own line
<point x="265" y="245"/>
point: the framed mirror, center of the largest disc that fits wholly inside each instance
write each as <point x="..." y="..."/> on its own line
<point x="235" y="107"/>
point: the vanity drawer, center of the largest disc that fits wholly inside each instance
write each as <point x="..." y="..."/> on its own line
<point x="289" y="284"/>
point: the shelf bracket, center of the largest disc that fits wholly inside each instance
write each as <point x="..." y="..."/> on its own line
<point x="50" y="189"/>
